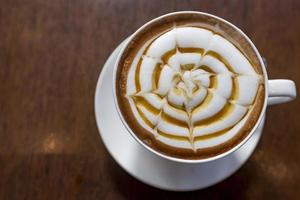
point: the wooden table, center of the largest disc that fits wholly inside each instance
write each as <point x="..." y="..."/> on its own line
<point x="51" y="54"/>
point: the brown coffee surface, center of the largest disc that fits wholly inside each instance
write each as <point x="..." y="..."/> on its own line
<point x="150" y="33"/>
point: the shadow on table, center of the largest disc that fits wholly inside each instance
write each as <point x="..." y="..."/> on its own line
<point x="241" y="185"/>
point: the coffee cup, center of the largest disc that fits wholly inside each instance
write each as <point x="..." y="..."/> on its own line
<point x="273" y="91"/>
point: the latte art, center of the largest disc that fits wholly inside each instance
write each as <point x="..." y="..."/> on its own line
<point x="191" y="88"/>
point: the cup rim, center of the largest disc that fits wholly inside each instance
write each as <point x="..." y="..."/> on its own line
<point x="183" y="160"/>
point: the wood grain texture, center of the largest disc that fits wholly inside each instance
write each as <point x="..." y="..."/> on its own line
<point x="51" y="54"/>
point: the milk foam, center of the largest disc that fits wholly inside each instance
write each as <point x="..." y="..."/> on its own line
<point x="193" y="84"/>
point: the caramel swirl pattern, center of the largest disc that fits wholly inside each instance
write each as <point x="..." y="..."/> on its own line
<point x="191" y="88"/>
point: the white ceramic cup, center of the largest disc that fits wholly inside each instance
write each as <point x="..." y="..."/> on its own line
<point x="276" y="91"/>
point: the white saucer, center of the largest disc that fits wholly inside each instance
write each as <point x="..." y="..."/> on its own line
<point x="148" y="167"/>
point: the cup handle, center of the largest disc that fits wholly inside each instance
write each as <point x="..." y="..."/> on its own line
<point x="281" y="91"/>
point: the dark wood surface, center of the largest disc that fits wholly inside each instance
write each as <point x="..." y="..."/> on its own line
<point x="51" y="54"/>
